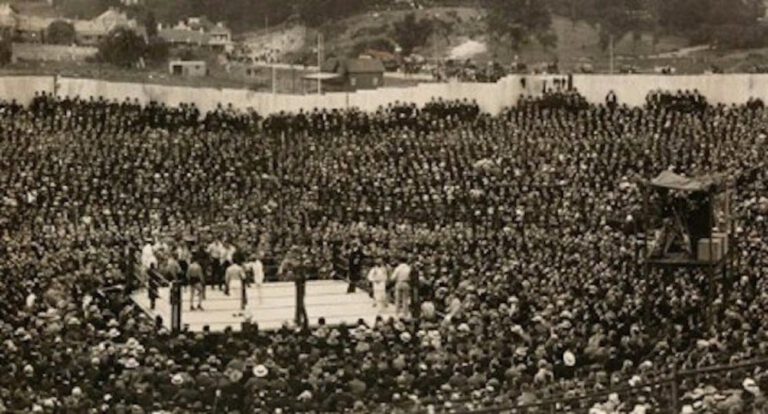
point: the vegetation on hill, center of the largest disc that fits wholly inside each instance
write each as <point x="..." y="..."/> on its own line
<point x="411" y="33"/>
<point x="519" y="21"/>
<point x="61" y="32"/>
<point x="724" y="23"/>
<point x="536" y="30"/>
<point x="124" y="48"/>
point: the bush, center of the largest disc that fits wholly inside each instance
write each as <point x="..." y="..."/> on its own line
<point x="122" y="47"/>
<point x="157" y="50"/>
<point x="731" y="36"/>
<point x="6" y="50"/>
<point x="61" y="32"/>
<point x="411" y="33"/>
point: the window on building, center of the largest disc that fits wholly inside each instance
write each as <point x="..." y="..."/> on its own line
<point x="375" y="81"/>
<point x="353" y="81"/>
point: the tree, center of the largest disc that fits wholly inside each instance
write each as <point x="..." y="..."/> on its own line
<point x="157" y="50"/>
<point x="6" y="50"/>
<point x="520" y="21"/>
<point x="411" y="33"/>
<point x="61" y="32"/>
<point x="150" y="24"/>
<point x="122" y="47"/>
<point x="316" y="12"/>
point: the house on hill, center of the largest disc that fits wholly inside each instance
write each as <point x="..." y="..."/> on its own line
<point x="20" y="26"/>
<point x="33" y="29"/>
<point x="8" y="15"/>
<point x="198" y="32"/>
<point x="338" y="75"/>
<point x="90" y="32"/>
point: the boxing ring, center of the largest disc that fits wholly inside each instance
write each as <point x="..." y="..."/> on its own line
<point x="324" y="298"/>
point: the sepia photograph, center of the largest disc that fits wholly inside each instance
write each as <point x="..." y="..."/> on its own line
<point x="383" y="206"/>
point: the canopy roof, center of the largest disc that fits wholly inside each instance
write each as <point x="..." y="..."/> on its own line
<point x="672" y="181"/>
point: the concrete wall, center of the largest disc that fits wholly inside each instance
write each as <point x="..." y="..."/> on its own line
<point x="492" y="98"/>
<point x="23" y="88"/>
<point x="632" y="89"/>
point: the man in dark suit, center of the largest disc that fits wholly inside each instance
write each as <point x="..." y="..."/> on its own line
<point x="355" y="265"/>
<point x="292" y="269"/>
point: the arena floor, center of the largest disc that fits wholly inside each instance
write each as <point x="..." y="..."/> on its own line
<point x="326" y="298"/>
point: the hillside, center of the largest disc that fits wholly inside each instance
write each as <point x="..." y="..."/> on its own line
<point x="454" y="28"/>
<point x="578" y="42"/>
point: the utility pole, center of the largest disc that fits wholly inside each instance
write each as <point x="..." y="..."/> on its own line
<point x="274" y="79"/>
<point x="319" y="63"/>
<point x="610" y="46"/>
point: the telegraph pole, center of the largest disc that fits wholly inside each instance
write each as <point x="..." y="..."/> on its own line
<point x="274" y="79"/>
<point x="319" y="63"/>
<point x="611" y="53"/>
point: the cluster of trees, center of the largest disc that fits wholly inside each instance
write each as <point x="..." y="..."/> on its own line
<point x="314" y="13"/>
<point x="123" y="47"/>
<point x="725" y="23"/>
<point x="61" y="32"/>
<point x="411" y="33"/>
<point x="6" y="49"/>
<point x="518" y="22"/>
<point x="240" y="15"/>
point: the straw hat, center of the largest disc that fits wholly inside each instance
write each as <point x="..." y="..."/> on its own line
<point x="569" y="358"/>
<point x="260" y="371"/>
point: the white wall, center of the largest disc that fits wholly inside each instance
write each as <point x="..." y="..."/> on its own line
<point x="492" y="97"/>
<point x="632" y="89"/>
<point x="23" y="88"/>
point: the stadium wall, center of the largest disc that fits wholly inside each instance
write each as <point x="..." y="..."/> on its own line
<point x="632" y="89"/>
<point x="23" y="88"/>
<point x="492" y="97"/>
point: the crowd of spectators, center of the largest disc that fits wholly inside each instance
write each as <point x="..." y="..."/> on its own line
<point x="686" y="101"/>
<point x="506" y="219"/>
